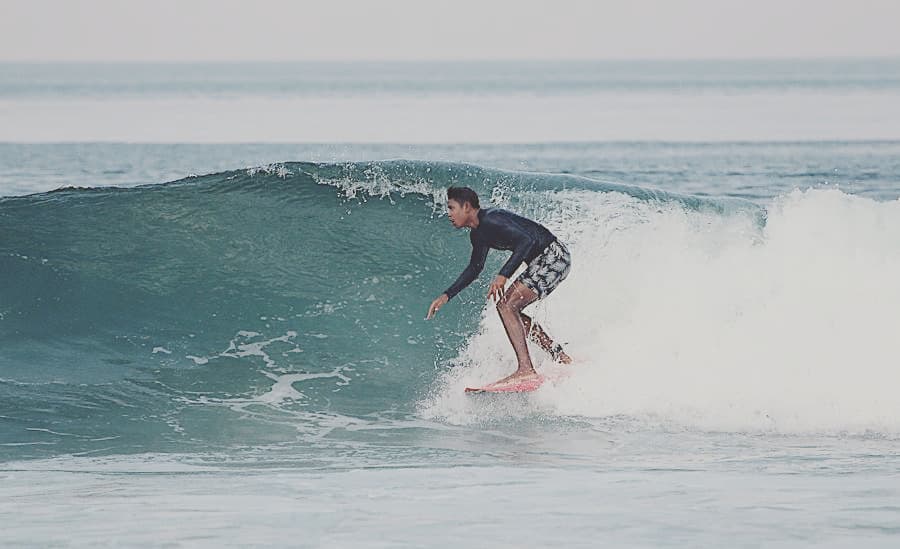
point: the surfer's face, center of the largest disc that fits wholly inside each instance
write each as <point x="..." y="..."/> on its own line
<point x="456" y="213"/>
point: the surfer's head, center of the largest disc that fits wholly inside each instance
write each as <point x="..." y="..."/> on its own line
<point x="462" y="206"/>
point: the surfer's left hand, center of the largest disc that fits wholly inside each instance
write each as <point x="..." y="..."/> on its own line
<point x="497" y="288"/>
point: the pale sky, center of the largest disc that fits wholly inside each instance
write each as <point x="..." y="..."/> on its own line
<point x="282" y="30"/>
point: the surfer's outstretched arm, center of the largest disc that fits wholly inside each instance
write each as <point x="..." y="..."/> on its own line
<point x="471" y="272"/>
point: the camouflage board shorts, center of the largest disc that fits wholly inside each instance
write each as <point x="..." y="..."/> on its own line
<point x="547" y="270"/>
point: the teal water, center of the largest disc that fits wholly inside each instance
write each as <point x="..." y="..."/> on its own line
<point x="754" y="171"/>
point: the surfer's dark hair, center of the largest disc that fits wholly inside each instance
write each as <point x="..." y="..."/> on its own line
<point x="463" y="195"/>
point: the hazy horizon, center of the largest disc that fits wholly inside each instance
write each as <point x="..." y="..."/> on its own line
<point x="165" y="31"/>
<point x="446" y="60"/>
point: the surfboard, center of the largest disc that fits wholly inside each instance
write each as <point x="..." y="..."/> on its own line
<point x="520" y="387"/>
<point x="553" y="374"/>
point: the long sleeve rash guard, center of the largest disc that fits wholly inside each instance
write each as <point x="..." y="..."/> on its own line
<point x="502" y="230"/>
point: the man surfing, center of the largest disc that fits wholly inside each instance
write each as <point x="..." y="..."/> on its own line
<point x="548" y="262"/>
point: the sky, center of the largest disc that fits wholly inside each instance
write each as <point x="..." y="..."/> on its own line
<point x="281" y="30"/>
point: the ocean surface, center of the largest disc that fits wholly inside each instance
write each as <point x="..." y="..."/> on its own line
<point x="214" y="278"/>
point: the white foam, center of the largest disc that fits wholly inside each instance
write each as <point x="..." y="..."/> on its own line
<point x="711" y="322"/>
<point x="253" y="344"/>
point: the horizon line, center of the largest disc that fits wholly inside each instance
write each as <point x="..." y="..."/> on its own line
<point x="887" y="57"/>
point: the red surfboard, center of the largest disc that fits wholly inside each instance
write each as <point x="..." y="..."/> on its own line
<point x="520" y="387"/>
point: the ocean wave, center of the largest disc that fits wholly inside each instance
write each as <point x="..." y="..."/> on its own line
<point x="189" y="312"/>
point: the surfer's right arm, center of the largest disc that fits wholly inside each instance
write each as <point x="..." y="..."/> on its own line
<point x="471" y="272"/>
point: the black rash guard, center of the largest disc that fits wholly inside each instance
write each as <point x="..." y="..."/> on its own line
<point x="502" y="230"/>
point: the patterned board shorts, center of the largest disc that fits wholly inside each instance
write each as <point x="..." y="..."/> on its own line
<point x="547" y="270"/>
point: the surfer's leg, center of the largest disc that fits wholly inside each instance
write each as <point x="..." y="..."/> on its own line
<point x="510" y="308"/>
<point x="537" y="334"/>
<point x="542" y="276"/>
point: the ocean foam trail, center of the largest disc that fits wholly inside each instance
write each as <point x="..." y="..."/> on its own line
<point x="711" y="322"/>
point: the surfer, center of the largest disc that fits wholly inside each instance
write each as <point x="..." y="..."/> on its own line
<point x="548" y="262"/>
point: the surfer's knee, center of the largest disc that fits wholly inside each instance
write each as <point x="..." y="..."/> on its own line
<point x="509" y="306"/>
<point x="526" y="321"/>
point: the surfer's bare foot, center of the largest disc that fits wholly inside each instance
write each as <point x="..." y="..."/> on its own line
<point x="563" y="358"/>
<point x="517" y="377"/>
